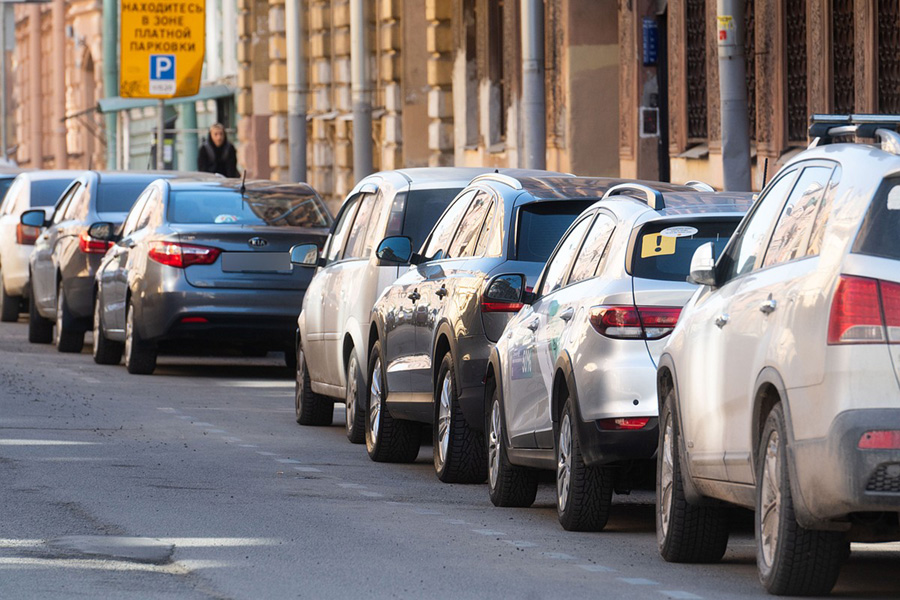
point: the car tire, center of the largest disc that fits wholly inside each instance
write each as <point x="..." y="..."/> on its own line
<point x="9" y="305"/>
<point x="509" y="485"/>
<point x="140" y="355"/>
<point x="40" y="329"/>
<point x="310" y="408"/>
<point x="69" y="337"/>
<point x="792" y="560"/>
<point x="685" y="533"/>
<point x="459" y="450"/>
<point x="583" y="493"/>
<point x="387" y="439"/>
<point x="105" y="351"/>
<point x="356" y="414"/>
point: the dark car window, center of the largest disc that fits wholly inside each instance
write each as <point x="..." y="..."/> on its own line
<point x="423" y="209"/>
<point x="663" y="250"/>
<point x="594" y="244"/>
<point x="798" y="216"/>
<point x="490" y="240"/>
<point x="558" y="267"/>
<point x="5" y="184"/>
<point x="131" y="220"/>
<point x="439" y="241"/>
<point x="254" y="207"/>
<point x="339" y="233"/>
<point x="878" y="233"/>
<point x="62" y="209"/>
<point x="118" y="196"/>
<point x="45" y="192"/>
<point x="540" y="226"/>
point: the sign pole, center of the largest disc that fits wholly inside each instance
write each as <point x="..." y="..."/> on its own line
<point x="160" y="133"/>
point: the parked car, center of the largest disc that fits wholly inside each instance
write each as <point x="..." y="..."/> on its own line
<point x="65" y="258"/>
<point x="432" y="330"/>
<point x="31" y="189"/>
<point x="332" y="330"/>
<point x="8" y="174"/>
<point x="571" y="384"/>
<point x="205" y="262"/>
<point x="779" y="390"/>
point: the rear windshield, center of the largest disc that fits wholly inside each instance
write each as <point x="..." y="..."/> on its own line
<point x="119" y="196"/>
<point x="272" y="208"/>
<point x="879" y="235"/>
<point x="423" y="209"/>
<point x="4" y="186"/>
<point x="45" y="192"/>
<point x="663" y="250"/>
<point x="542" y="224"/>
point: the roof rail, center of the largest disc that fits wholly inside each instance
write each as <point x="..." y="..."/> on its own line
<point x="652" y="197"/>
<point x="501" y="178"/>
<point x="700" y="186"/>
<point x="823" y="129"/>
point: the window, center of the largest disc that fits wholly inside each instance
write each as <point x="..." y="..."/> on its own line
<point x="149" y="206"/>
<point x="357" y="239"/>
<point x="373" y="232"/>
<point x="593" y="247"/>
<point x="423" y="209"/>
<point x="339" y="234"/>
<point x="540" y="226"/>
<point x="818" y="231"/>
<point x="46" y="192"/>
<point x="489" y="241"/>
<point x="674" y="264"/>
<point x="59" y="215"/>
<point x="118" y="196"/>
<point x="746" y="246"/>
<point x="11" y="197"/>
<point x="558" y="267"/>
<point x="131" y="220"/>
<point x="439" y="242"/>
<point x="878" y="233"/>
<point x="78" y="206"/>
<point x="797" y="217"/>
<point x="469" y="228"/>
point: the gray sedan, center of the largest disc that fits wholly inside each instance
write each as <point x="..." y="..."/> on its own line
<point x="202" y="264"/>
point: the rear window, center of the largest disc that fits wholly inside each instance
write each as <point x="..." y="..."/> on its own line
<point x="664" y="250"/>
<point x="4" y="186"/>
<point x="119" y="196"/>
<point x="45" y="192"/>
<point x="423" y="209"/>
<point x="542" y="224"/>
<point x="878" y="234"/>
<point x="276" y="209"/>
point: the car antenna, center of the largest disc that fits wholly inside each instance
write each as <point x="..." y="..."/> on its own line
<point x="243" y="180"/>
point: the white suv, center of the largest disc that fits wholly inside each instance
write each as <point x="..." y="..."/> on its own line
<point x="779" y="389"/>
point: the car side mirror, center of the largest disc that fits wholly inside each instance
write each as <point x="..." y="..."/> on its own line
<point x="34" y="218"/>
<point x="394" y="250"/>
<point x="506" y="293"/>
<point x="703" y="265"/>
<point x="305" y="255"/>
<point x="103" y="231"/>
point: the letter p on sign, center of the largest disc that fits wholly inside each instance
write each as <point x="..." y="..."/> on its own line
<point x="162" y="74"/>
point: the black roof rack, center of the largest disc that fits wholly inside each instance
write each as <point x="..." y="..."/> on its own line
<point x="824" y="129"/>
<point x="652" y="197"/>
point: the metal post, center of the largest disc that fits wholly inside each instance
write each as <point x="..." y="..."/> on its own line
<point x="534" y="113"/>
<point x="189" y="136"/>
<point x="362" y="103"/>
<point x="733" y="93"/>
<point x="296" y="89"/>
<point x="160" y="133"/>
<point x="111" y="75"/>
<point x="3" y="123"/>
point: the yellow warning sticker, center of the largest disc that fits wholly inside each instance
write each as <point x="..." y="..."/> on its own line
<point x="655" y="244"/>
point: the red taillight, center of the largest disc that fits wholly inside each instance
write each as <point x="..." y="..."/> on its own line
<point x="864" y="311"/>
<point x="26" y="235"/>
<point x="623" y="424"/>
<point x="174" y="254"/>
<point x="634" y="322"/>
<point x="194" y="320"/>
<point x="880" y="440"/>
<point x="494" y="307"/>
<point x="90" y="245"/>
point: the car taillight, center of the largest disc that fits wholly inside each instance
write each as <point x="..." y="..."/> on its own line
<point x="864" y="311"/>
<point x="492" y="306"/>
<point x="26" y="235"/>
<point x="90" y="245"/>
<point x="634" y="322"/>
<point x="175" y="254"/>
<point x="623" y="424"/>
<point x="880" y="440"/>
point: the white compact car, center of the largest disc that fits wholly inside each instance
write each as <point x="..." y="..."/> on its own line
<point x="779" y="389"/>
<point x="333" y="327"/>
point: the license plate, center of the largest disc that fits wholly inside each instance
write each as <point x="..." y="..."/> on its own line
<point x="256" y="262"/>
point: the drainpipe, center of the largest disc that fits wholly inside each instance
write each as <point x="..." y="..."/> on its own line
<point x="362" y="103"/>
<point x="534" y="112"/>
<point x="296" y="90"/>
<point x="37" y="91"/>
<point x="111" y="75"/>
<point x="733" y="93"/>
<point x="58" y="114"/>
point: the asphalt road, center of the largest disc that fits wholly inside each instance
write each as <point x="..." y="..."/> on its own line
<point x="197" y="483"/>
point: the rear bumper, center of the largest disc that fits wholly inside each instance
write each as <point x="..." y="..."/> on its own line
<point x="834" y="477"/>
<point x="602" y="447"/>
<point x="15" y="269"/>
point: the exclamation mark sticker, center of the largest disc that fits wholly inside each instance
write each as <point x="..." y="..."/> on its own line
<point x="658" y="248"/>
<point x="656" y="244"/>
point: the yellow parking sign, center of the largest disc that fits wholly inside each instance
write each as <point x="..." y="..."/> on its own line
<point x="163" y="42"/>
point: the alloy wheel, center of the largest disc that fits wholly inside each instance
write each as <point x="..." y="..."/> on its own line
<point x="129" y="332"/>
<point x="443" y="430"/>
<point x="352" y="391"/>
<point x="667" y="476"/>
<point x="771" y="500"/>
<point x="96" y="328"/>
<point x="300" y="381"/>
<point x="564" y="462"/>
<point x="494" y="433"/>
<point x="57" y="332"/>
<point x="375" y="401"/>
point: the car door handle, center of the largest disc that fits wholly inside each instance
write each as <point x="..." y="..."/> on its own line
<point x="567" y="314"/>
<point x="534" y="324"/>
<point x="442" y="292"/>
<point x="414" y="296"/>
<point x="768" y="307"/>
<point x="722" y="320"/>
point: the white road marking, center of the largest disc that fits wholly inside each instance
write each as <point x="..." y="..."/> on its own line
<point x="288" y="461"/>
<point x="372" y="494"/>
<point x="202" y="424"/>
<point x="637" y="581"/>
<point x="248" y="446"/>
<point x="679" y="595"/>
<point x="596" y="568"/>
<point x="307" y="469"/>
<point x="10" y="442"/>
<point x="520" y="543"/>
<point x="456" y="522"/>
<point x="557" y="556"/>
<point x="166" y="409"/>
<point x="487" y="532"/>
<point x="252" y="383"/>
<point x="352" y="486"/>
<point x="232" y="439"/>
<point x="427" y="511"/>
<point x="261" y="453"/>
<point x="216" y="431"/>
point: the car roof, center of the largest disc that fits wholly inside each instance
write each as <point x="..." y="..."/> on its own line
<point x="554" y="187"/>
<point x="234" y="185"/>
<point x="49" y="175"/>
<point x="420" y="178"/>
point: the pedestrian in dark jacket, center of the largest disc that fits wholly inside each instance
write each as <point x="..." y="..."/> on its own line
<point x="217" y="154"/>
